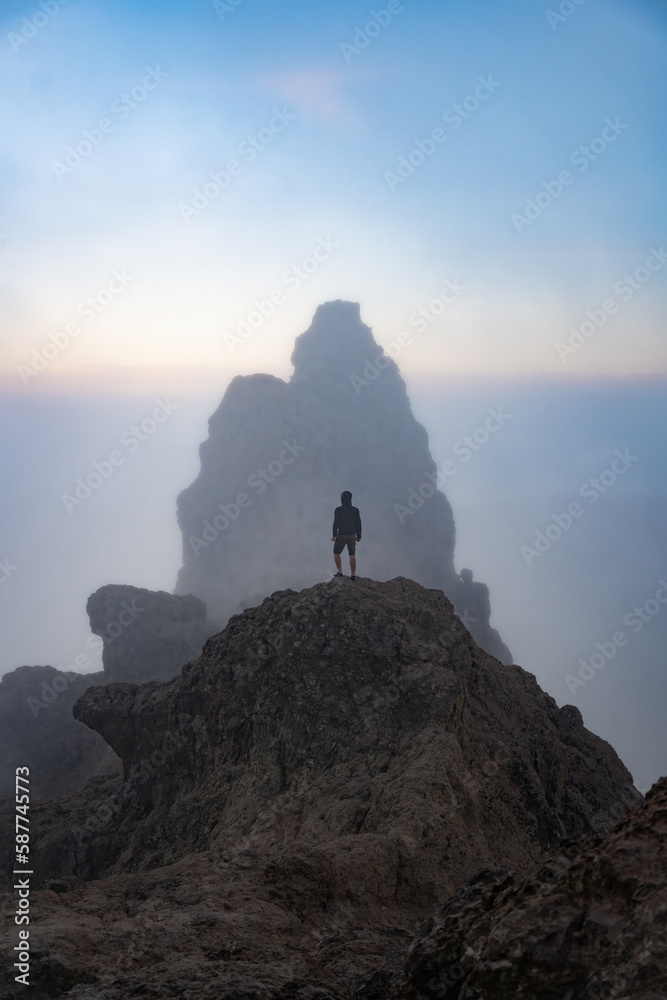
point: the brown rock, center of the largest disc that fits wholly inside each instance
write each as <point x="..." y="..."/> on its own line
<point x="352" y="708"/>
<point x="591" y="927"/>
<point x="335" y="763"/>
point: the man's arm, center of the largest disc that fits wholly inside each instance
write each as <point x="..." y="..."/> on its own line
<point x="358" y="526"/>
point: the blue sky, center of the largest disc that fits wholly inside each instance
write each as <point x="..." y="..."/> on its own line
<point x="351" y="116"/>
<point x="116" y="289"/>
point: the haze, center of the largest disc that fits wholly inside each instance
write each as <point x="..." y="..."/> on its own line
<point x="182" y="185"/>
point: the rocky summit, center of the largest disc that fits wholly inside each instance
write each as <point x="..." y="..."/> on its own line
<point x="335" y="765"/>
<point x="258" y="516"/>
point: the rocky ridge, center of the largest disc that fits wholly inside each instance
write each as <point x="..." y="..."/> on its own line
<point x="334" y="765"/>
<point x="339" y="689"/>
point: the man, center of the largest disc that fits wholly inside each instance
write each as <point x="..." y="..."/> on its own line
<point x="346" y="531"/>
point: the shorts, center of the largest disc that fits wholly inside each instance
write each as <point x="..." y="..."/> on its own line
<point x="343" y="540"/>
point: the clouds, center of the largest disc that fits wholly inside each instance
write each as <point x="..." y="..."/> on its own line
<point x="318" y="93"/>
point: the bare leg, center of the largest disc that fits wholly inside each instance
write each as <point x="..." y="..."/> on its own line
<point x="353" y="565"/>
<point x="337" y="561"/>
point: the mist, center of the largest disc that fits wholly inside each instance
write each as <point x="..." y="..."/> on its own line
<point x="575" y="601"/>
<point x="489" y="187"/>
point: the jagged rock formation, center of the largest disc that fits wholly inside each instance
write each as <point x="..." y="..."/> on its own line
<point x="37" y="730"/>
<point x="335" y="764"/>
<point x="146" y="636"/>
<point x="258" y="517"/>
<point x="345" y="689"/>
<point x="590" y="925"/>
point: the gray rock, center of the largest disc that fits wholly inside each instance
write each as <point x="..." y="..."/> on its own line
<point x="589" y="926"/>
<point x="37" y="731"/>
<point x="334" y="766"/>
<point x="279" y="454"/>
<point x="147" y="635"/>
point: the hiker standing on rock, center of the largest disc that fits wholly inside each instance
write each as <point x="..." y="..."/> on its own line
<point x="346" y="531"/>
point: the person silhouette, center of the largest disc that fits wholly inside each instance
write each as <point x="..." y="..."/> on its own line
<point x="346" y="531"/>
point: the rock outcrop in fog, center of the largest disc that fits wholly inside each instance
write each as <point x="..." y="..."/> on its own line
<point x="258" y="516"/>
<point x="148" y="635"/>
<point x="145" y="635"/>
<point x="333" y="766"/>
<point x="37" y="731"/>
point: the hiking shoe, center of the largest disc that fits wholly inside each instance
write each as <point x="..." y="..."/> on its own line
<point x="338" y="574"/>
<point x="353" y="578"/>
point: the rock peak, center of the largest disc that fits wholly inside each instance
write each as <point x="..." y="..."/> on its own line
<point x="258" y="517"/>
<point x="355" y="708"/>
<point x="333" y="766"/>
<point x="336" y="345"/>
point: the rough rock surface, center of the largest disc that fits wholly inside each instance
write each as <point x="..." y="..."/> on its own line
<point x="147" y="635"/>
<point x="589" y="926"/>
<point x="335" y="764"/>
<point x="349" y="707"/>
<point x="37" y="730"/>
<point x="278" y="456"/>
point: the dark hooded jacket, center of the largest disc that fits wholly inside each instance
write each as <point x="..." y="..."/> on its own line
<point x="347" y="520"/>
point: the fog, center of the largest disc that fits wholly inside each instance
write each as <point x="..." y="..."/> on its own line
<point x="576" y="600"/>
